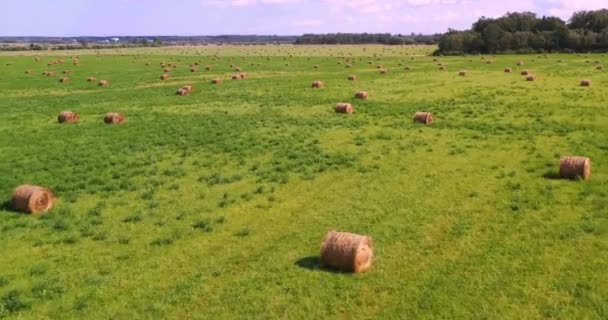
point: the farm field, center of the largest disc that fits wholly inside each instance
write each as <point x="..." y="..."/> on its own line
<point x="214" y="205"/>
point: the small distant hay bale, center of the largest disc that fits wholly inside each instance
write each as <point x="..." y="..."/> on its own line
<point x="193" y="70"/>
<point x="599" y="67"/>
<point x="167" y="70"/>
<point x="585" y="83"/>
<point x="165" y="77"/>
<point x="379" y="66"/>
<point x="344" y="107"/>
<point x="114" y="118"/>
<point x="508" y="70"/>
<point x="28" y="71"/>
<point x="50" y="74"/>
<point x="318" y="84"/>
<point x="103" y="83"/>
<point x="65" y="71"/>
<point x="217" y="81"/>
<point x="208" y="68"/>
<point x="383" y="71"/>
<point x="68" y="117"/>
<point x="238" y="69"/>
<point x="316" y="66"/>
<point x="575" y="167"/>
<point x="352" y="77"/>
<point x="520" y="63"/>
<point x="184" y="91"/>
<point x="244" y="75"/>
<point x="441" y="67"/>
<point x="462" y="73"/>
<point x="525" y="72"/>
<point x="363" y="95"/>
<point x="531" y="78"/>
<point x="347" y="252"/>
<point x="423" y="117"/>
<point x="64" y="80"/>
<point x="408" y="68"/>
<point x="32" y="199"/>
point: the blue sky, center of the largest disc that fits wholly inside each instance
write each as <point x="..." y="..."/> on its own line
<point x="282" y="17"/>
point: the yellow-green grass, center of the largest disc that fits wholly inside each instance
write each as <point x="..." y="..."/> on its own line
<point x="214" y="205"/>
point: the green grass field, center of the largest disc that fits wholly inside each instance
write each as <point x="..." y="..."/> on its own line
<point x="214" y="205"/>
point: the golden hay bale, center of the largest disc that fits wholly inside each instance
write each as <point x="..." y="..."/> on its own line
<point x="347" y="252"/>
<point x="182" y="92"/>
<point x="423" y="117"/>
<point x="408" y="68"/>
<point x="64" y="80"/>
<point x="462" y="73"/>
<point x="68" y="117"/>
<point x="599" y="67"/>
<point x="114" y="118"/>
<point x="188" y="88"/>
<point x="28" y="71"/>
<point x="525" y="72"/>
<point x="50" y="74"/>
<point x="585" y="83"/>
<point x="343" y="107"/>
<point x="363" y="95"/>
<point x="508" y="70"/>
<point x="165" y="77"/>
<point x="238" y="69"/>
<point x="316" y="66"/>
<point x="383" y="71"/>
<point x="193" y="70"/>
<point x="103" y="83"/>
<point x="318" y="84"/>
<point x="167" y="70"/>
<point x="207" y="68"/>
<point x="91" y="79"/>
<point x="531" y="78"/>
<point x="32" y="199"/>
<point x="441" y="68"/>
<point x="65" y="71"/>
<point x="520" y="63"/>
<point x="244" y="75"/>
<point x="573" y="167"/>
<point x="352" y="78"/>
<point x="217" y="81"/>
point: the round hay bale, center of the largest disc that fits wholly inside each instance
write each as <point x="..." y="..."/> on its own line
<point x="531" y="78"/>
<point x="316" y="66"/>
<point x="408" y="68"/>
<point x="167" y="70"/>
<point x="64" y="80"/>
<point x="363" y="95"/>
<point x="217" y="81"/>
<point x="383" y="71"/>
<point x="462" y="73"/>
<point x="525" y="72"/>
<point x="103" y="83"/>
<point x="585" y="83"/>
<point x="520" y="63"/>
<point x="114" y="118"/>
<point x="441" y="68"/>
<point x="244" y="75"/>
<point x="347" y="252"/>
<point x="599" y="67"/>
<point x="32" y="199"/>
<point x="65" y="71"/>
<point x="508" y="70"/>
<point x="352" y="78"/>
<point x="165" y="77"/>
<point x="318" y="84"/>
<point x="68" y="117"/>
<point x="208" y="68"/>
<point x="236" y="77"/>
<point x="50" y="74"/>
<point x="343" y="107"/>
<point x="91" y="79"/>
<point x="28" y="71"/>
<point x="423" y="117"/>
<point x="193" y="70"/>
<point x="575" y="167"/>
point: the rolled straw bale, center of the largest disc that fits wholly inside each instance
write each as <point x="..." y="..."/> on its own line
<point x="408" y="68"/>
<point x="343" y="107"/>
<point x="462" y="73"/>
<point x="347" y="252"/>
<point x="525" y="72"/>
<point x="64" y="80"/>
<point x="207" y="68"/>
<point x="585" y="83"/>
<point x="352" y="78"/>
<point x="363" y="95"/>
<point x="423" y="117"/>
<point x="384" y="71"/>
<point x="32" y="199"/>
<point x="531" y="78"/>
<point x="50" y="74"/>
<point x="193" y="70"/>
<point x="91" y="79"/>
<point x="520" y="63"/>
<point x="167" y="70"/>
<point x="508" y="70"/>
<point x="114" y="118"/>
<point x="244" y="75"/>
<point x="28" y="71"/>
<point x="441" y="68"/>
<point x="318" y="84"/>
<point x="182" y="92"/>
<point x="217" y="81"/>
<point x="103" y="83"/>
<point x="599" y="67"/>
<point x="67" y="117"/>
<point x="316" y="66"/>
<point x="65" y="71"/>
<point x="574" y="167"/>
<point x="165" y="77"/>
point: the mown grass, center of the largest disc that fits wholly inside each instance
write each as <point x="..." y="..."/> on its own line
<point x="214" y="205"/>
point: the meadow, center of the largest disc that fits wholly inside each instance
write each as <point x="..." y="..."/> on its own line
<point x="214" y="205"/>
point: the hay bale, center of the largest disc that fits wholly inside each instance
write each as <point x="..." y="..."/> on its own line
<point x="65" y="71"/>
<point x="91" y="79"/>
<point x="352" y="78"/>
<point x="408" y="68"/>
<point x="167" y="70"/>
<point x="208" y="68"/>
<point x="520" y="63"/>
<point x="316" y="66"/>
<point x="28" y="71"/>
<point x="193" y="70"/>
<point x="344" y="107"/>
<point x="68" y="117"/>
<point x="64" y="80"/>
<point x="531" y="78"/>
<point x="423" y="117"/>
<point x="114" y="118"/>
<point x="462" y="73"/>
<point x="363" y="95"/>
<point x="441" y="68"/>
<point x="575" y="167"/>
<point x="525" y="72"/>
<point x="599" y="67"/>
<point x="244" y="75"/>
<point x="383" y="71"/>
<point x="318" y="84"/>
<point x="103" y="83"/>
<point x="32" y="199"/>
<point x="217" y="81"/>
<point x="50" y="74"/>
<point x="508" y="70"/>
<point x="347" y="252"/>
<point x="585" y="83"/>
<point x="165" y="77"/>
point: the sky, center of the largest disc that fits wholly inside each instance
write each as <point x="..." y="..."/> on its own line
<point x="269" y="17"/>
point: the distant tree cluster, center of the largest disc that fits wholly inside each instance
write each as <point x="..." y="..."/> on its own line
<point x="526" y="33"/>
<point x="367" y="38"/>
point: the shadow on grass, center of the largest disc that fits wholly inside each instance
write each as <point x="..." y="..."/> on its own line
<point x="313" y="263"/>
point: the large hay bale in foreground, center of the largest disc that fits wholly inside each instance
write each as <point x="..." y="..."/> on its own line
<point x="343" y="107"/>
<point x="423" y="117"/>
<point x="318" y="84"/>
<point x="114" y="118"/>
<point x="363" y="95"/>
<point x="68" y="117"/>
<point x="347" y="252"/>
<point x="575" y="167"/>
<point x="585" y="83"/>
<point x="32" y="199"/>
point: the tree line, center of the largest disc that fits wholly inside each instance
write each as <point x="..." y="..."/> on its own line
<point x="367" y="38"/>
<point x="525" y="32"/>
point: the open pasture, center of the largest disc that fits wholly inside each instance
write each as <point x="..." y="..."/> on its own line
<point x="214" y="204"/>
